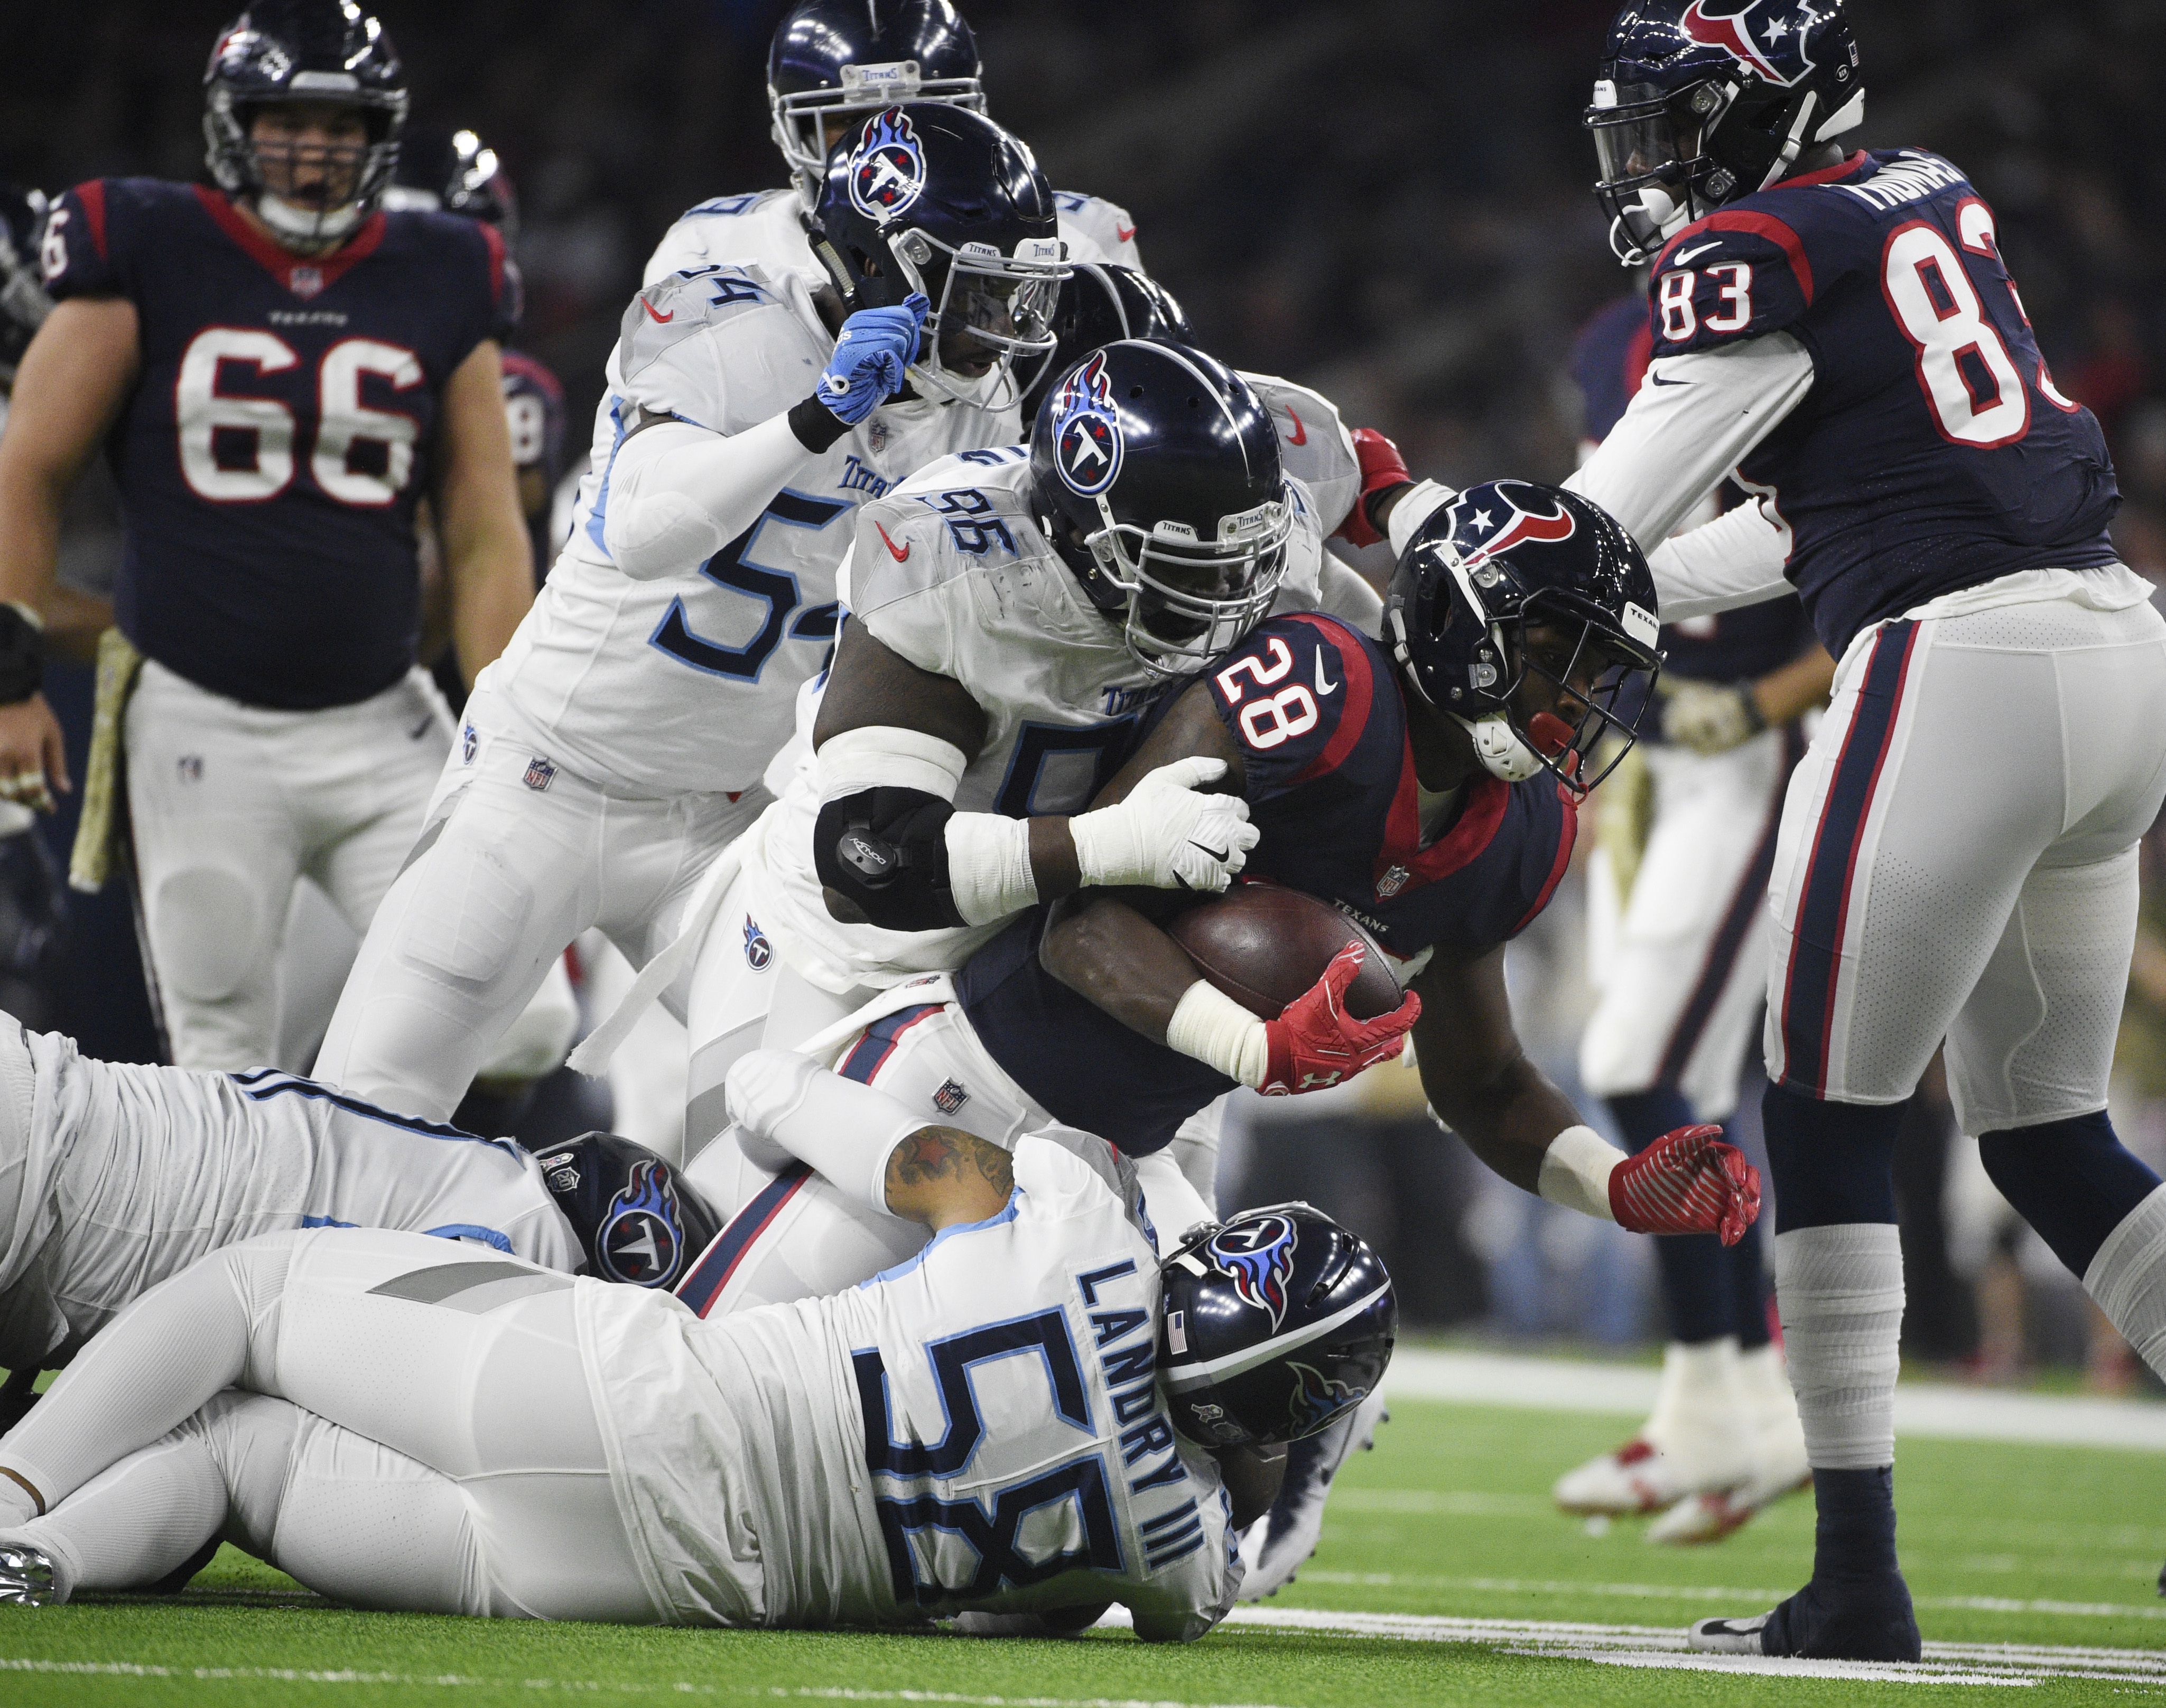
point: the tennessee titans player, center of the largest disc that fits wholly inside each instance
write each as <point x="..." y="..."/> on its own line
<point x="831" y="63"/>
<point x="1958" y="855"/>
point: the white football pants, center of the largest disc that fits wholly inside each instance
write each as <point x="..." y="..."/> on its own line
<point x="416" y="1432"/>
<point x="519" y="854"/>
<point x="1682" y="970"/>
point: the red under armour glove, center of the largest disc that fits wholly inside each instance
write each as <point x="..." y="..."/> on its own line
<point x="1383" y="468"/>
<point x="1687" y="1182"/>
<point x="1315" y="1042"/>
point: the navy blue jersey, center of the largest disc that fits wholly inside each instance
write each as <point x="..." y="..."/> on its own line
<point x="1316" y="711"/>
<point x="280" y="428"/>
<point x="1934" y="451"/>
<point x="534" y="411"/>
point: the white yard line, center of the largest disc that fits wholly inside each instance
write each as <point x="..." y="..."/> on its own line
<point x="1922" y="1409"/>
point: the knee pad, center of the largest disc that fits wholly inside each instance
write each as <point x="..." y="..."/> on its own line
<point x="2072" y="1180"/>
<point x="209" y="930"/>
<point x="469" y="913"/>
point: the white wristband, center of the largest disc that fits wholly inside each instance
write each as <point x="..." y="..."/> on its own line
<point x="988" y="871"/>
<point x="1217" y="1031"/>
<point x="1575" y="1171"/>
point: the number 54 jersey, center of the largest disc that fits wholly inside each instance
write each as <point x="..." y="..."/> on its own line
<point x="1934" y="451"/>
<point x="977" y="1429"/>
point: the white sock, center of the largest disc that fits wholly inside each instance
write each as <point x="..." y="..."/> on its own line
<point x="2127" y="1278"/>
<point x="1699" y="1417"/>
<point x="1839" y="1290"/>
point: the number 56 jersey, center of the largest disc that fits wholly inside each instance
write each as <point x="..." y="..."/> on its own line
<point x="978" y="1429"/>
<point x="1934" y="451"/>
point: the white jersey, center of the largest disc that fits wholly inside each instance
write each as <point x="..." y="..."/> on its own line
<point x="115" y="1177"/>
<point x="951" y="572"/>
<point x="977" y="1429"/>
<point x="688" y="681"/>
<point x="1314" y="446"/>
<point x="766" y="229"/>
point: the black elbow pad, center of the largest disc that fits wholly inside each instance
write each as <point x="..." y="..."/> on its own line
<point x="885" y="850"/>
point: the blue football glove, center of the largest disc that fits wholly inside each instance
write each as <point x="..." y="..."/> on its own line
<point x="867" y="367"/>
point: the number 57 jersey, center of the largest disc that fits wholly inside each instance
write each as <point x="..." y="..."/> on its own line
<point x="1934" y="451"/>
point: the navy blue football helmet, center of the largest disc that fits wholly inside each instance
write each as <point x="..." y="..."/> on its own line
<point x="1700" y="102"/>
<point x="1528" y="614"/>
<point x="833" y="60"/>
<point x="459" y="173"/>
<point x="1102" y="303"/>
<point x="939" y="201"/>
<point x="23" y="303"/>
<point x="636" y="1222"/>
<point x="1156" y="475"/>
<point x="1276" y="1323"/>
<point x="326" y="50"/>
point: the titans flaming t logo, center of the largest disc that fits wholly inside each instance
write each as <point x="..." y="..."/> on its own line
<point x="1258" y="1254"/>
<point x="887" y="170"/>
<point x="640" y="1240"/>
<point x="1086" y="430"/>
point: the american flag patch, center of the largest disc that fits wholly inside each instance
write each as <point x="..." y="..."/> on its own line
<point x="540" y="773"/>
<point x="950" y="1097"/>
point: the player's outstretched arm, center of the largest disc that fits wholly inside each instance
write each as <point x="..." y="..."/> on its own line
<point x="489" y="556"/>
<point x="72" y="382"/>
<point x="1480" y="1084"/>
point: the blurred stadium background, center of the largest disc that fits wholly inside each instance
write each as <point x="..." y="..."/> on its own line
<point x="1386" y="200"/>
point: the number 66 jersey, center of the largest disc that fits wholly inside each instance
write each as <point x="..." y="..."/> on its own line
<point x="1933" y="452"/>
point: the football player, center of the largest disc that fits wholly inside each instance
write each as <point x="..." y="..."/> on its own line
<point x="619" y="744"/>
<point x="1958" y="853"/>
<point x="281" y="367"/>
<point x="830" y="64"/>
<point x="1033" y="1418"/>
<point x="115" y="1177"/>
<point x="1425" y="786"/>
<point x="1679" y="902"/>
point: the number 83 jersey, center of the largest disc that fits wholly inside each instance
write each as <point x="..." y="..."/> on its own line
<point x="280" y="428"/>
<point x="1934" y="451"/>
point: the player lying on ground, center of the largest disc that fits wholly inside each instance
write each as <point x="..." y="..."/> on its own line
<point x="114" y="1178"/>
<point x="1008" y="1423"/>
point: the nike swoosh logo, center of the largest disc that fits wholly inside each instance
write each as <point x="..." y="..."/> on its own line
<point x="900" y="554"/>
<point x="1123" y="233"/>
<point x="1300" y="432"/>
<point x="1322" y="686"/>
<point x="1698" y="249"/>
<point x="659" y="319"/>
<point x="1215" y="853"/>
<point x="1655" y="379"/>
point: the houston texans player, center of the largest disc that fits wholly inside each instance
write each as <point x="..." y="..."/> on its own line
<point x="283" y="369"/>
<point x="1957" y="852"/>
<point x="618" y="745"/>
<point x="1429" y="791"/>
<point x="830" y="65"/>
<point x="1679" y="959"/>
<point x="1032" y="1419"/>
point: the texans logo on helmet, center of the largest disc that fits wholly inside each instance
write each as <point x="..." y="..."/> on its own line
<point x="1488" y="521"/>
<point x="642" y="1239"/>
<point x="1779" y="24"/>
<point x="887" y="171"/>
<point x="1086" y="432"/>
<point x="1317" y="1398"/>
<point x="1257" y="1254"/>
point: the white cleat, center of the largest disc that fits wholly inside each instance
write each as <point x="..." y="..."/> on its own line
<point x="26" y="1578"/>
<point x="1637" y="1478"/>
<point x="1729" y="1636"/>
<point x="1711" y="1515"/>
<point x="1278" y="1544"/>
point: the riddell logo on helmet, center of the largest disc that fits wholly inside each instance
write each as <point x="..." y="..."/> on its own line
<point x="887" y="171"/>
<point x="1741" y="33"/>
<point x="1086" y="432"/>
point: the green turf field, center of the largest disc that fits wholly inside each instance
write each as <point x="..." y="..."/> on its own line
<point x="2054" y="1551"/>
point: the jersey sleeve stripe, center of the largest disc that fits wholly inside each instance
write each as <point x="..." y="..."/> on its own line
<point x="1359" y="683"/>
<point x="711" y="1272"/>
<point x="1827" y="175"/>
<point x="1764" y="225"/>
<point x="1567" y="836"/>
<point x="92" y="196"/>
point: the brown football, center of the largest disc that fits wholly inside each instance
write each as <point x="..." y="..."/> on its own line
<point x="1264" y="944"/>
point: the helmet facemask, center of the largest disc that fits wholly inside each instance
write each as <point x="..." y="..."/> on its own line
<point x="987" y="308"/>
<point x="803" y="117"/>
<point x="311" y="194"/>
<point x="1186" y="599"/>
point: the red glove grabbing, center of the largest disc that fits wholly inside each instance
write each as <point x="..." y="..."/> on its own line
<point x="1687" y="1182"/>
<point x="1315" y="1043"/>
<point x="1383" y="468"/>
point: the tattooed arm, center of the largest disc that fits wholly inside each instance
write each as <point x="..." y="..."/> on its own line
<point x="940" y="1177"/>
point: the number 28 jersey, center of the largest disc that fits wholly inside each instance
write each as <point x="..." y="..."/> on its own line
<point x="280" y="429"/>
<point x="1934" y="451"/>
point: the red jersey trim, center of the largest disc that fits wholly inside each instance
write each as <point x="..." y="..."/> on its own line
<point x="1360" y="686"/>
<point x="1765" y="226"/>
<point x="1825" y="174"/>
<point x="1567" y="839"/>
<point x="282" y="264"/>
<point x="92" y="195"/>
<point x="494" y="238"/>
<point x="1461" y="846"/>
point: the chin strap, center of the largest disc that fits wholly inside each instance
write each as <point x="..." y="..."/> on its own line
<point x="306" y="225"/>
<point x="1498" y="745"/>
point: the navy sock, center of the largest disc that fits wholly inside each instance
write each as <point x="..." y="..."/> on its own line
<point x="2072" y="1180"/>
<point x="1745" y="1270"/>
<point x="1695" y="1270"/>
<point x="1854" y="1539"/>
<point x="1833" y="1163"/>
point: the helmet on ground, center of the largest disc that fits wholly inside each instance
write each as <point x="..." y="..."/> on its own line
<point x="636" y="1220"/>
<point x="1526" y="613"/>
<point x="1276" y="1322"/>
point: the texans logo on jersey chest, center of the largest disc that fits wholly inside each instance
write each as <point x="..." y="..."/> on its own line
<point x="1086" y="432"/>
<point x="887" y="170"/>
<point x="640" y="1240"/>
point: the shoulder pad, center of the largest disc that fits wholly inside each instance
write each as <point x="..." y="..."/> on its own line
<point x="1548" y="822"/>
<point x="676" y="306"/>
<point x="1314" y="446"/>
<point x="1297" y="694"/>
<point x="1738" y="274"/>
<point x="953" y="516"/>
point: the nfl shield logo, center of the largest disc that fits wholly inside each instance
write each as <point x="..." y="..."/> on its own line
<point x="1391" y="882"/>
<point x="876" y="436"/>
<point x="305" y="282"/>
<point x="540" y="773"/>
<point x="950" y="1098"/>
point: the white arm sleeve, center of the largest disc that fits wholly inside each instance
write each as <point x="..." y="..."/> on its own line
<point x="787" y="1105"/>
<point x="678" y="494"/>
<point x="1737" y="559"/>
<point x="1693" y="420"/>
<point x="1348" y="596"/>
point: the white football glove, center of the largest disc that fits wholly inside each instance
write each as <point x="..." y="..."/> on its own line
<point x="1165" y="834"/>
<point x="1709" y="717"/>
